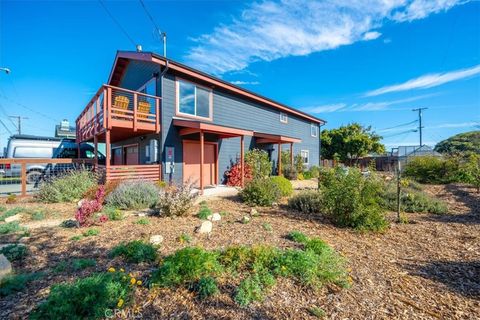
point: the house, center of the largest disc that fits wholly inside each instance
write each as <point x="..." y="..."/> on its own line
<point x="160" y="119"/>
<point x="65" y="130"/>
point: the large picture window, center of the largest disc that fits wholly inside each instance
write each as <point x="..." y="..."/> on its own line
<point x="193" y="100"/>
<point x="305" y="156"/>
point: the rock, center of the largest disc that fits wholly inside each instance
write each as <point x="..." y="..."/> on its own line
<point x="16" y="217"/>
<point x="205" y="227"/>
<point x="246" y="219"/>
<point x="5" y="266"/>
<point x="156" y="239"/>
<point x="24" y="239"/>
<point x="254" y="212"/>
<point x="69" y="224"/>
<point x="141" y="214"/>
<point x="214" y="217"/>
<point x="79" y="203"/>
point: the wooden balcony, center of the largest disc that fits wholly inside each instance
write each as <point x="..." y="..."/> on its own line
<point x="124" y="112"/>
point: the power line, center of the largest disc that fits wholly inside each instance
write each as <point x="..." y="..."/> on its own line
<point x="28" y="108"/>
<point x="19" y="121"/>
<point x="3" y="123"/>
<point x="160" y="33"/>
<point x="400" y="133"/>
<point x="420" y="127"/>
<point x="398" y="126"/>
<point x="116" y="22"/>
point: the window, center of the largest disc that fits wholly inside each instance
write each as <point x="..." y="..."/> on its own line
<point x="193" y="100"/>
<point x="314" y="130"/>
<point x="150" y="87"/>
<point x="283" y="117"/>
<point x="33" y="152"/>
<point x="304" y="154"/>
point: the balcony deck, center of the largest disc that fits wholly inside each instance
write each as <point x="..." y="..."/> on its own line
<point x="123" y="112"/>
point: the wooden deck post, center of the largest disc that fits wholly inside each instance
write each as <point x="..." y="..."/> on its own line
<point x="157" y="115"/>
<point x="291" y="155"/>
<point x="107" y="155"/>
<point x="202" y="156"/>
<point x="279" y="165"/>
<point x="135" y="99"/>
<point x="242" y="161"/>
<point x="95" y="148"/>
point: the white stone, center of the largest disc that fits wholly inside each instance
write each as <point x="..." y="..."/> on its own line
<point x="214" y="217"/>
<point x="205" y="227"/>
<point x="5" y="266"/>
<point x="16" y="217"/>
<point x="142" y="214"/>
<point x="246" y="219"/>
<point x="253" y="212"/>
<point x="156" y="239"/>
<point x="79" y="203"/>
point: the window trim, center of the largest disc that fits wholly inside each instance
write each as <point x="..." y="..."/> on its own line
<point x="177" y="100"/>
<point x="154" y="79"/>
<point x="308" y="157"/>
<point x="312" y="125"/>
<point x="286" y="117"/>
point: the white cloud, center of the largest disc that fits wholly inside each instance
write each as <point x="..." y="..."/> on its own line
<point x="427" y="81"/>
<point x="268" y="30"/>
<point x="454" y="125"/>
<point x="368" y="106"/>
<point x="240" y="82"/>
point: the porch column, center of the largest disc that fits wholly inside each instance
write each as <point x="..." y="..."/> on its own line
<point x="291" y="155"/>
<point x="202" y="159"/>
<point x="95" y="148"/>
<point x="279" y="159"/>
<point x="242" y="161"/>
<point x="107" y="154"/>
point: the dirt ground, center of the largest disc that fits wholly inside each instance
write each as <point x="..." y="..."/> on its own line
<point x="427" y="269"/>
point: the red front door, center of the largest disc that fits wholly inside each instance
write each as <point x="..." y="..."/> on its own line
<point x="191" y="160"/>
<point x="131" y="155"/>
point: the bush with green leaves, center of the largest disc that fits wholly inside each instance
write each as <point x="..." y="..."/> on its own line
<point x="83" y="263"/>
<point x="135" y="251"/>
<point x="11" y="227"/>
<point x="113" y="214"/>
<point x="258" y="161"/>
<point x="204" y="212"/>
<point x="261" y="192"/>
<point x="176" y="200"/>
<point x="412" y="199"/>
<point x="17" y="282"/>
<point x="283" y="184"/>
<point x="133" y="195"/>
<point x="351" y="199"/>
<point x="86" y="298"/>
<point x="308" y="201"/>
<point x="431" y="169"/>
<point x="14" y="252"/>
<point x="10" y="212"/>
<point x="68" y="187"/>
<point x="257" y="267"/>
<point x="297" y="236"/>
<point x="470" y="171"/>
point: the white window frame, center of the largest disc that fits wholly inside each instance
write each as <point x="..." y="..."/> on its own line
<point x="307" y="156"/>
<point x="315" y="135"/>
<point x="282" y="115"/>
<point x="188" y="115"/>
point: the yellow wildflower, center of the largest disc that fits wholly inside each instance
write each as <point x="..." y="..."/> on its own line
<point x="111" y="269"/>
<point x="139" y="282"/>
<point x="122" y="270"/>
<point x="120" y="303"/>
<point x="133" y="280"/>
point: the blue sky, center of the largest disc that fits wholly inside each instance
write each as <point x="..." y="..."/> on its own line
<point x="344" y="61"/>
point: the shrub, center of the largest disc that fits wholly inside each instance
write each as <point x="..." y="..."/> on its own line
<point x="308" y="201"/>
<point x="107" y="189"/>
<point x="204" y="212"/>
<point x="14" y="283"/>
<point x="257" y="160"/>
<point x="298" y="163"/>
<point x="289" y="172"/>
<point x="184" y="238"/>
<point x="91" y="232"/>
<point x="317" y="312"/>
<point x="186" y="266"/>
<point x="298" y="237"/>
<point x="133" y="194"/>
<point x="135" y="251"/>
<point x="143" y="221"/>
<point x="283" y="184"/>
<point x="87" y="298"/>
<point x="14" y="252"/>
<point x="175" y="200"/>
<point x="262" y="192"/>
<point x="233" y="175"/>
<point x="10" y="213"/>
<point x="10" y="227"/>
<point x="314" y="171"/>
<point x="430" y="169"/>
<point x="352" y="200"/>
<point x="471" y="171"/>
<point x="76" y="238"/>
<point x="85" y="214"/>
<point x="68" y="187"/>
<point x="11" y="199"/>
<point x="253" y="288"/>
<point x="412" y="200"/>
<point x="267" y="227"/>
<point x="113" y="214"/>
<point x="38" y="215"/>
<point x="206" y="287"/>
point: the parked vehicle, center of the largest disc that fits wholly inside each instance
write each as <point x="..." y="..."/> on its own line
<point x="28" y="146"/>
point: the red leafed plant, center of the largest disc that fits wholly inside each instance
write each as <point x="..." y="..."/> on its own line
<point x="88" y="208"/>
<point x="234" y="175"/>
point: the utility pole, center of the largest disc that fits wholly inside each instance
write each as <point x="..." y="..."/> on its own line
<point x="420" y="123"/>
<point x="19" y="121"/>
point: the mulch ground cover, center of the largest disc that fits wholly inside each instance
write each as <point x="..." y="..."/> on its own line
<point x="426" y="269"/>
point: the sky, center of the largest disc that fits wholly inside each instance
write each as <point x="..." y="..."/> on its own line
<point x="343" y="61"/>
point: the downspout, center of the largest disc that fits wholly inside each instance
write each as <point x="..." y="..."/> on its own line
<point x="160" y="144"/>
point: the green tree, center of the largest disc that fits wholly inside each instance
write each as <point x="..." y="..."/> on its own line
<point x="349" y="143"/>
<point x="462" y="143"/>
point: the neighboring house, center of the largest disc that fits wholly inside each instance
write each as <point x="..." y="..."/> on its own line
<point x="160" y="119"/>
<point x="64" y="130"/>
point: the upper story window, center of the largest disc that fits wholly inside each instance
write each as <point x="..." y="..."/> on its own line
<point x="193" y="100"/>
<point x="283" y="117"/>
<point x="150" y="87"/>
<point x="314" y="130"/>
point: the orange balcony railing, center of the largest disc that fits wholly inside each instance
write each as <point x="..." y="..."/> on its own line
<point x="113" y="107"/>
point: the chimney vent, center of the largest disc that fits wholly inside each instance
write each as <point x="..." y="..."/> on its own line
<point x="139" y="48"/>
